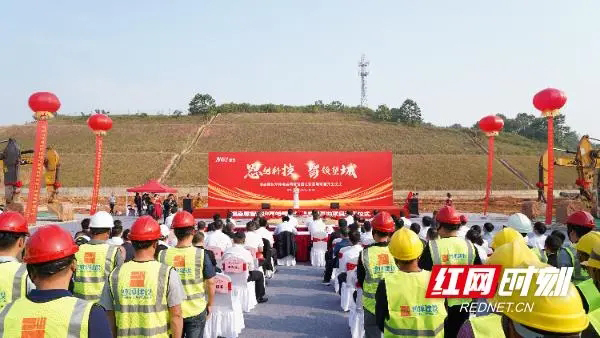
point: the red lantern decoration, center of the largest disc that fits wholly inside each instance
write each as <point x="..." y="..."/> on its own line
<point x="44" y="105"/>
<point x="99" y="124"/>
<point x="549" y="101"/>
<point x="491" y="126"/>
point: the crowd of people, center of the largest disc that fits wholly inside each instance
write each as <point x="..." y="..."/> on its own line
<point x="394" y="259"/>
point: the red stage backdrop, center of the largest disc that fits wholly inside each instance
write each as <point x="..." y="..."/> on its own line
<point x="247" y="179"/>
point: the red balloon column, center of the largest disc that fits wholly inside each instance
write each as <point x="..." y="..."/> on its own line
<point x="44" y="105"/>
<point x="549" y="101"/>
<point x="491" y="126"/>
<point x="100" y="124"/>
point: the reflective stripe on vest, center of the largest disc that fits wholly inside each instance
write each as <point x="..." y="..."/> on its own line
<point x="489" y="326"/>
<point x="94" y="264"/>
<point x="451" y="251"/>
<point x="591" y="294"/>
<point x="189" y="264"/>
<point x="62" y="317"/>
<point x="377" y="261"/>
<point x="13" y="282"/>
<point x="595" y="320"/>
<point x="139" y="292"/>
<point x="579" y="274"/>
<point x="411" y="314"/>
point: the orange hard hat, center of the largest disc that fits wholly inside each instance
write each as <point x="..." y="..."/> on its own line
<point x="183" y="219"/>
<point x="582" y="219"/>
<point x="145" y="228"/>
<point x="383" y="222"/>
<point x="448" y="215"/>
<point x="11" y="221"/>
<point x="49" y="243"/>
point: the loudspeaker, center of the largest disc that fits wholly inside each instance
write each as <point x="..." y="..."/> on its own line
<point x="334" y="205"/>
<point x="266" y="206"/>
<point x="413" y="206"/>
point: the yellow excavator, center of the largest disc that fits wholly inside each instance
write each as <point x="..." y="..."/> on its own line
<point x="587" y="164"/>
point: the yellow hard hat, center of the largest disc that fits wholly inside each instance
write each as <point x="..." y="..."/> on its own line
<point x="405" y="245"/>
<point x="557" y="314"/>
<point x="504" y="236"/>
<point x="594" y="260"/>
<point x="513" y="254"/>
<point x="588" y="241"/>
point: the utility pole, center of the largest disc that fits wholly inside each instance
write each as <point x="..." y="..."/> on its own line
<point x="363" y="72"/>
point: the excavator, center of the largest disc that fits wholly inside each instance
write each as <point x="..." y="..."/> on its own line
<point x="586" y="163"/>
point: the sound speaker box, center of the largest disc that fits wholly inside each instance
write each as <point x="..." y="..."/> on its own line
<point x="334" y="205"/>
<point x="266" y="206"/>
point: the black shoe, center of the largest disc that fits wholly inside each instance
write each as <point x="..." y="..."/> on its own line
<point x="262" y="300"/>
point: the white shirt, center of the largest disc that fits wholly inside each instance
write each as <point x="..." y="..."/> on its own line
<point x="349" y="219"/>
<point x="285" y="226"/>
<point x="293" y="221"/>
<point x="536" y="241"/>
<point x="238" y="251"/>
<point x="115" y="241"/>
<point x="266" y="234"/>
<point x="423" y="232"/>
<point x="253" y="240"/>
<point x="219" y="239"/>
<point x="318" y="226"/>
<point x="169" y="220"/>
<point x="462" y="231"/>
<point x="349" y="253"/>
<point x="366" y="238"/>
<point x="487" y="236"/>
<point x="482" y="250"/>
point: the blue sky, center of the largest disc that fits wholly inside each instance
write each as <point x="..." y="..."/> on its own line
<point x="460" y="60"/>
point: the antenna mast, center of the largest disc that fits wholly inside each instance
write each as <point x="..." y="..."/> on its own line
<point x="363" y="72"/>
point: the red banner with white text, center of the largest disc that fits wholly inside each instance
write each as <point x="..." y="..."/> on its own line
<point x="248" y="179"/>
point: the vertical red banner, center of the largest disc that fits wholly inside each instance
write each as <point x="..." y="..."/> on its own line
<point x="33" y="197"/>
<point x="550" y="190"/>
<point x="97" y="171"/>
<point x="490" y="171"/>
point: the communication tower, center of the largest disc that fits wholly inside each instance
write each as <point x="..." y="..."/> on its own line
<point x="363" y="72"/>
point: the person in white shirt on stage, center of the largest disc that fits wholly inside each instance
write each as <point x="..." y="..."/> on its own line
<point x="238" y="250"/>
<point x="293" y="220"/>
<point x="349" y="217"/>
<point x="217" y="238"/>
<point x="253" y="239"/>
<point x="317" y="225"/>
<point x="230" y="219"/>
<point x="264" y="232"/>
<point x="285" y="226"/>
<point x="366" y="238"/>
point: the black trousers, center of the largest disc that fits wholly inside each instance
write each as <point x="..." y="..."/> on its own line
<point x="454" y="321"/>
<point x="329" y="262"/>
<point x="139" y="209"/>
<point x="112" y="208"/>
<point x="341" y="279"/>
<point x="259" y="283"/>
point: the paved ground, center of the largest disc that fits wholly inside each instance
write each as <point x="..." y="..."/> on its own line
<point x="299" y="306"/>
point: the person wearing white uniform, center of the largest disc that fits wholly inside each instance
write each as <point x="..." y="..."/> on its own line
<point x="239" y="251"/>
<point x="537" y="238"/>
<point x="217" y="238"/>
<point x="293" y="220"/>
<point x="253" y="239"/>
<point x="349" y="217"/>
<point x="426" y="224"/>
<point x="285" y="226"/>
<point x="264" y="232"/>
<point x="366" y="238"/>
<point x="317" y="225"/>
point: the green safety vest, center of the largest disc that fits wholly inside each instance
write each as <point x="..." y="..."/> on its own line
<point x="579" y="274"/>
<point x="595" y="320"/>
<point x="139" y="291"/>
<point x="411" y="314"/>
<point x="189" y="264"/>
<point x="13" y="282"/>
<point x="540" y="254"/>
<point x="452" y="251"/>
<point x="94" y="264"/>
<point x="489" y="326"/>
<point x="63" y="317"/>
<point x="378" y="262"/>
<point x="591" y="294"/>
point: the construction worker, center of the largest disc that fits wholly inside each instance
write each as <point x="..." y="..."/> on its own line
<point x="196" y="272"/>
<point x="50" y="310"/>
<point x="450" y="250"/>
<point x="522" y="224"/>
<point x="508" y="235"/>
<point x="403" y="291"/>
<point x="375" y="262"/>
<point x="96" y="259"/>
<point x="579" y="224"/>
<point x="512" y="254"/>
<point x="143" y="297"/>
<point x="590" y="289"/>
<point x="14" y="282"/>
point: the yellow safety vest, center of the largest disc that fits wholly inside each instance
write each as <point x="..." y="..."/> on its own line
<point x="579" y="274"/>
<point x="591" y="294"/>
<point x="139" y="292"/>
<point x="595" y="320"/>
<point x="411" y="314"/>
<point x="189" y="264"/>
<point x="378" y="262"/>
<point x="66" y="317"/>
<point x="489" y="326"/>
<point x="452" y="251"/>
<point x="13" y="282"/>
<point x="94" y="264"/>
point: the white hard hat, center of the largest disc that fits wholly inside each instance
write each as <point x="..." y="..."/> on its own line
<point x="101" y="219"/>
<point x="164" y="230"/>
<point x="520" y="222"/>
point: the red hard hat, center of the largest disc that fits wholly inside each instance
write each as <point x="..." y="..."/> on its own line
<point x="11" y="221"/>
<point x="448" y="215"/>
<point x="145" y="228"/>
<point x="463" y="219"/>
<point x="383" y="222"/>
<point x="49" y="243"/>
<point x="582" y="219"/>
<point x="183" y="219"/>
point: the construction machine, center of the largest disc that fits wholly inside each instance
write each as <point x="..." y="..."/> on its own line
<point x="586" y="164"/>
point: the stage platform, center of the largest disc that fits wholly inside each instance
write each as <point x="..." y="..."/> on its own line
<point x="248" y="213"/>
